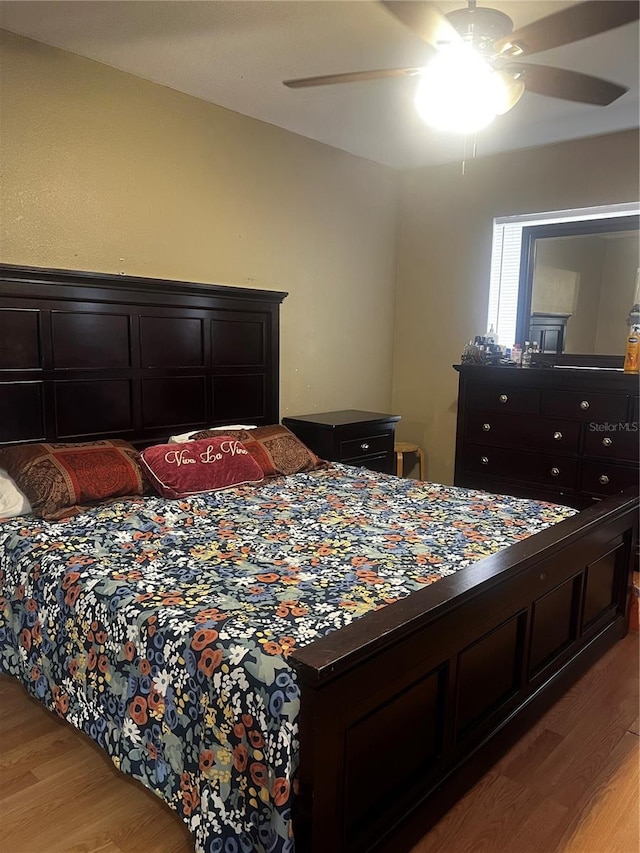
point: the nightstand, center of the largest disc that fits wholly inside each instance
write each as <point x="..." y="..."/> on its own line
<point x="349" y="436"/>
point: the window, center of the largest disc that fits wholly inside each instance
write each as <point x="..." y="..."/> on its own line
<point x="505" y="259"/>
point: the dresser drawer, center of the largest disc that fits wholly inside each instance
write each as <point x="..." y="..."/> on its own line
<point x="602" y="478"/>
<point x="366" y="445"/>
<point x="544" y="435"/>
<point x="551" y="471"/>
<point x="584" y="405"/>
<point x="504" y="399"/>
<point x="618" y="444"/>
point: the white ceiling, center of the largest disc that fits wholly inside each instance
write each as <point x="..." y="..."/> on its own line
<point x="236" y="54"/>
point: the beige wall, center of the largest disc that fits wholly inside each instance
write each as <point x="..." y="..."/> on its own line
<point x="444" y="260"/>
<point x="99" y="166"/>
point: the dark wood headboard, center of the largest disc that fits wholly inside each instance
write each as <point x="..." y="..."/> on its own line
<point x="89" y="356"/>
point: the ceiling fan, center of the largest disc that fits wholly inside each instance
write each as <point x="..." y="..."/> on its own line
<point x="477" y="47"/>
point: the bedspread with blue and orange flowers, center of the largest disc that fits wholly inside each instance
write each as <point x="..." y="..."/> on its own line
<point x="162" y="628"/>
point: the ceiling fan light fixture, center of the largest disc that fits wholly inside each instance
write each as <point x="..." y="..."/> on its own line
<point x="512" y="49"/>
<point x="459" y="91"/>
<point x="510" y="90"/>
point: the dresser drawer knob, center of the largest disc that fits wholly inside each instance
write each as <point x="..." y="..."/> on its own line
<point x="484" y="460"/>
<point x="486" y="427"/>
<point x="364" y="446"/>
<point x="555" y="472"/>
<point x="584" y="404"/>
<point x="557" y="435"/>
<point x="503" y="398"/>
<point x="607" y="442"/>
<point x="603" y="479"/>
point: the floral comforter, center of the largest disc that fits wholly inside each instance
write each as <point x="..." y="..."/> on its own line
<point x="162" y="628"/>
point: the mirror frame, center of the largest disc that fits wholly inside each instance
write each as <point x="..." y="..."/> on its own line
<point x="530" y="235"/>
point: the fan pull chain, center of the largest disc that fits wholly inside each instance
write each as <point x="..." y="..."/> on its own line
<point x="474" y="151"/>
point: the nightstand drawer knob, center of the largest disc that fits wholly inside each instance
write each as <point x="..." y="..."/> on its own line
<point x="364" y="446"/>
<point x="607" y="442"/>
<point x="486" y="427"/>
<point x="503" y="398"/>
<point x="555" y="472"/>
<point x="603" y="479"/>
<point x="584" y="404"/>
<point x="557" y="435"/>
<point x="484" y="460"/>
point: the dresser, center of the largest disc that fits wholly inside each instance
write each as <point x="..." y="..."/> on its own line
<point x="350" y="436"/>
<point x="568" y="435"/>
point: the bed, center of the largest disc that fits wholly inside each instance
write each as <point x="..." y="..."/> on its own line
<point x="358" y="729"/>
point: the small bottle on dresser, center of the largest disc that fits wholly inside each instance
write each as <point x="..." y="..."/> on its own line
<point x="632" y="353"/>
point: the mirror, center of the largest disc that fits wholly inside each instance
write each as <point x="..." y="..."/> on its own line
<point x="578" y="283"/>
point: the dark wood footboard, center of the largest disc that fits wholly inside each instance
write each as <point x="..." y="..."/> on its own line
<point x="405" y="708"/>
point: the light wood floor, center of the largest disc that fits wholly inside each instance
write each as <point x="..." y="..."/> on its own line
<point x="569" y="786"/>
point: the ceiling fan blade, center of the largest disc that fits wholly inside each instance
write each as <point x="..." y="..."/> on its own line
<point x="425" y="20"/>
<point x="351" y="77"/>
<point x="568" y="85"/>
<point x="569" y="25"/>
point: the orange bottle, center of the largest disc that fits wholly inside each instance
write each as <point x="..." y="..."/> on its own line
<point x="632" y="354"/>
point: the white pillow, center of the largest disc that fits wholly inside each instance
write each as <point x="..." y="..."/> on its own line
<point x="186" y="436"/>
<point x="13" y="502"/>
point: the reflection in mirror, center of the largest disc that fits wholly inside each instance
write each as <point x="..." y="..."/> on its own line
<point x="579" y="283"/>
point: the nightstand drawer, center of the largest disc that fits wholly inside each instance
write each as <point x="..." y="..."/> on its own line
<point x="367" y="445"/>
<point x="551" y="471"/>
<point x="379" y="463"/>
<point x="584" y="405"/>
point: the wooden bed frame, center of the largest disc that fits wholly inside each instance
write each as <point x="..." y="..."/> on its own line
<point x="405" y="708"/>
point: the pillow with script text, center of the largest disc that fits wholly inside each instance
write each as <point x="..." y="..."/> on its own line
<point x="208" y="465"/>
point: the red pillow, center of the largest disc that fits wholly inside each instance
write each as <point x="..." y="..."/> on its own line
<point x="62" y="479"/>
<point x="178" y="470"/>
<point x="275" y="448"/>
